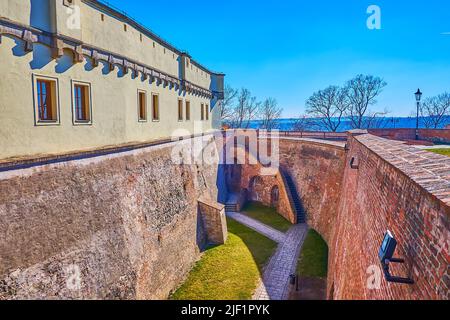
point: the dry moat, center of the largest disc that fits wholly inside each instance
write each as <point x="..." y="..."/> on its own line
<point x="135" y="226"/>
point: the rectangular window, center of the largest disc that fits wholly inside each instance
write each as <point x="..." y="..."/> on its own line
<point x="82" y="103"/>
<point x="180" y="110"/>
<point x="203" y="112"/>
<point x="188" y="110"/>
<point x="46" y="100"/>
<point x="207" y="112"/>
<point x="142" y="106"/>
<point x="155" y="107"/>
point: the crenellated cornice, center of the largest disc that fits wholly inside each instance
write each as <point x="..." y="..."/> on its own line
<point x="58" y="43"/>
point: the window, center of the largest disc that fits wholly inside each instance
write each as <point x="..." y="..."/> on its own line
<point x="180" y="110"/>
<point x="203" y="112"/>
<point x="140" y="36"/>
<point x="81" y="103"/>
<point x="207" y="112"/>
<point x="46" y="100"/>
<point x="142" y="106"/>
<point x="188" y="110"/>
<point x="155" y="107"/>
<point x="102" y="17"/>
<point x="125" y="28"/>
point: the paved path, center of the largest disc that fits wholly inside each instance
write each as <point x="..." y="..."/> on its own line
<point x="274" y="284"/>
<point x="259" y="227"/>
<point x="275" y="281"/>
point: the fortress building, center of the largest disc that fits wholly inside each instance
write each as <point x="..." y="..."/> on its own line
<point x="93" y="205"/>
<point x="79" y="75"/>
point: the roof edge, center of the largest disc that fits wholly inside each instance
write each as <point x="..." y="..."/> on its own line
<point x="107" y="7"/>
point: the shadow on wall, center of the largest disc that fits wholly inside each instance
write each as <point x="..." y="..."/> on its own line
<point x="221" y="183"/>
<point x="41" y="17"/>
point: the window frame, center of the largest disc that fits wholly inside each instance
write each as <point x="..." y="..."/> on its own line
<point x="145" y="119"/>
<point x="74" y="116"/>
<point x="55" y="85"/>
<point x="180" y="107"/>
<point x="156" y="119"/>
<point x="202" y="112"/>
<point x="207" y="112"/>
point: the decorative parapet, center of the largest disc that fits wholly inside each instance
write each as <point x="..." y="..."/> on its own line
<point x="59" y="43"/>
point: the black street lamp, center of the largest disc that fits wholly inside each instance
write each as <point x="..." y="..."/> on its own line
<point x="418" y="98"/>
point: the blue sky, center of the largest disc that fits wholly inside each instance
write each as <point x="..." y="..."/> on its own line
<point x="289" y="49"/>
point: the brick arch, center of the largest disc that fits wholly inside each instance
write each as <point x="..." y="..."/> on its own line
<point x="275" y="196"/>
<point x="256" y="189"/>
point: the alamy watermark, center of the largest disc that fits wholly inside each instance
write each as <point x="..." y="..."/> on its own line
<point x="374" y="19"/>
<point x="231" y="147"/>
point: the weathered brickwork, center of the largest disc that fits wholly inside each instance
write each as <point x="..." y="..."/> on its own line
<point x="317" y="168"/>
<point x="436" y="136"/>
<point x="258" y="185"/>
<point x="127" y="224"/>
<point x="401" y="189"/>
<point x="214" y="220"/>
<point x="131" y="225"/>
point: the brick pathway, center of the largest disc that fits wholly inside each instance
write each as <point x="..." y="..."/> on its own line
<point x="275" y="282"/>
<point x="259" y="227"/>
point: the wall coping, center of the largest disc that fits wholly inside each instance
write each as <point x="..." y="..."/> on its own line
<point x="428" y="170"/>
<point x="9" y="166"/>
<point x="327" y="143"/>
<point x="210" y="203"/>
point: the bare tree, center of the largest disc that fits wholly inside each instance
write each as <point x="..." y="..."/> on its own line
<point x="362" y="92"/>
<point x="329" y="106"/>
<point x="375" y="120"/>
<point x="245" y="110"/>
<point x="435" y="111"/>
<point x="303" y="123"/>
<point x="270" y="113"/>
<point x="228" y="103"/>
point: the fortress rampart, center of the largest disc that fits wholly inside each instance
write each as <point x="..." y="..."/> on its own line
<point x="132" y="224"/>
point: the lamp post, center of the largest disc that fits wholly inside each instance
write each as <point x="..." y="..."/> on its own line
<point x="418" y="98"/>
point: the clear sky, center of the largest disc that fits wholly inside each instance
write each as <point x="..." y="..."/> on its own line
<point x="289" y="49"/>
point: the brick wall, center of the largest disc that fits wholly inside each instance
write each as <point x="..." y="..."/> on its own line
<point x="214" y="220"/>
<point x="431" y="135"/>
<point x="436" y="136"/>
<point x="128" y="224"/>
<point x="317" y="168"/>
<point x="401" y="189"/>
<point x="257" y="185"/>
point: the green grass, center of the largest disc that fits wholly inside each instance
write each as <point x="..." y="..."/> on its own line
<point x="313" y="261"/>
<point x="266" y="215"/>
<point x="444" y="152"/>
<point x="231" y="271"/>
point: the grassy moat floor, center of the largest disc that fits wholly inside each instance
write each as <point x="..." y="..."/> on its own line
<point x="444" y="152"/>
<point x="313" y="261"/>
<point x="231" y="271"/>
<point x="266" y="215"/>
<point x="312" y="269"/>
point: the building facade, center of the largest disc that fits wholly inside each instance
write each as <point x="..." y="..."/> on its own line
<point x="79" y="75"/>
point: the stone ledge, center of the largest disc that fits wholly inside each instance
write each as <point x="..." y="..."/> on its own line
<point x="429" y="170"/>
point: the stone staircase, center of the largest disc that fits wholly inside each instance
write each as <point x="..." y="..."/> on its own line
<point x="294" y="197"/>
<point x="232" y="204"/>
<point x="231" y="207"/>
